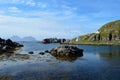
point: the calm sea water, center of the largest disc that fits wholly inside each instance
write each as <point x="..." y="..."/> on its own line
<point x="97" y="63"/>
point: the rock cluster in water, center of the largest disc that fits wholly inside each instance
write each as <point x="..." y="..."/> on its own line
<point x="66" y="51"/>
<point x="7" y="45"/>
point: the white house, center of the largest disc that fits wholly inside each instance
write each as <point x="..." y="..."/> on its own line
<point x="97" y="32"/>
<point x="77" y="39"/>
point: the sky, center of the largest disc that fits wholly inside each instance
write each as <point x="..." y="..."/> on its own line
<point x="55" y="18"/>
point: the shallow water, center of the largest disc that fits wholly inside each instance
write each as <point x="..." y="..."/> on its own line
<point x="97" y="63"/>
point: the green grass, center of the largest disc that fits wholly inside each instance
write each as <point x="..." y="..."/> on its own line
<point x="111" y="28"/>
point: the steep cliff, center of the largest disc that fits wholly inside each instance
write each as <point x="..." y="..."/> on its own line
<point x="107" y="34"/>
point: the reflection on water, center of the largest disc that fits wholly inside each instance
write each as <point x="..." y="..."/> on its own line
<point x="111" y="55"/>
<point x="68" y="58"/>
<point x="98" y="63"/>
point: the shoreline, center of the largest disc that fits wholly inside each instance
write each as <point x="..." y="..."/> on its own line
<point x="92" y="44"/>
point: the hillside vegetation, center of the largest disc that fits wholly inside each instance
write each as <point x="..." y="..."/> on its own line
<point x="107" y="34"/>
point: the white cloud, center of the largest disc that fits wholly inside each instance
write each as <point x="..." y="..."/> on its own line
<point x="30" y="2"/>
<point x="25" y="2"/>
<point x="42" y="5"/>
<point x="14" y="9"/>
<point x="42" y="23"/>
<point x="27" y="26"/>
<point x="68" y="7"/>
<point x="11" y="1"/>
<point x="36" y="27"/>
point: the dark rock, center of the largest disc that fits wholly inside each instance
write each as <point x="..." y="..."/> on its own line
<point x="47" y="51"/>
<point x="20" y="45"/>
<point x="8" y="45"/>
<point x="11" y="52"/>
<point x="42" y="53"/>
<point x="66" y="51"/>
<point x="31" y="52"/>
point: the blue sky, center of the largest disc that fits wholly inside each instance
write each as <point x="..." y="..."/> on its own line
<point x="55" y="18"/>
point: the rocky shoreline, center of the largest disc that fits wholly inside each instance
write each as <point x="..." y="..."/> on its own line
<point x="93" y="44"/>
<point x="8" y="46"/>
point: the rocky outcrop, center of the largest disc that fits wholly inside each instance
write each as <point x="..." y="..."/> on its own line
<point x="31" y="52"/>
<point x="42" y="53"/>
<point x="109" y="32"/>
<point x="7" y="45"/>
<point x="66" y="51"/>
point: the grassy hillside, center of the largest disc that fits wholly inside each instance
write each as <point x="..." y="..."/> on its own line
<point x="107" y="34"/>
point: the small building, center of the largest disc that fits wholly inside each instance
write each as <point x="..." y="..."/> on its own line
<point x="97" y="32"/>
<point x="77" y="39"/>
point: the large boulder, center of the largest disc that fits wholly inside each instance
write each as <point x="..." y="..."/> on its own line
<point x="66" y="51"/>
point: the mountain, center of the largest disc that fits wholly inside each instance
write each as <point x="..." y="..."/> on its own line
<point x="28" y="38"/>
<point x="107" y="34"/>
<point x="15" y="38"/>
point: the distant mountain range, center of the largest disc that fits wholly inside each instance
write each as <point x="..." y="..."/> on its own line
<point x="27" y="38"/>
